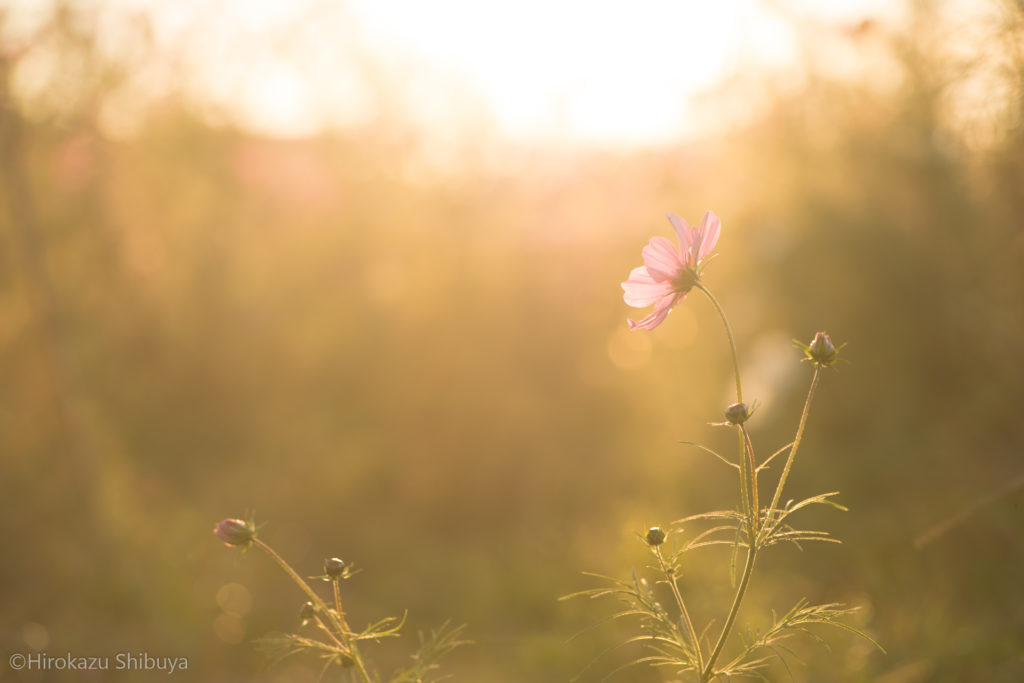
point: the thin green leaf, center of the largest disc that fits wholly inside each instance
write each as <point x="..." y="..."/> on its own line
<point x="704" y="448"/>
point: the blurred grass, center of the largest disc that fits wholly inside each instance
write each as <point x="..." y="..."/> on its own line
<point x="426" y="373"/>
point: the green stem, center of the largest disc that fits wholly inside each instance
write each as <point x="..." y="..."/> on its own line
<point x="692" y="632"/>
<point x="741" y="590"/>
<point x="796" y="440"/>
<point x="753" y="545"/>
<point x="745" y="481"/>
<point x="294" y="576"/>
<point x="732" y="340"/>
<point x="337" y="620"/>
<point x="747" y="495"/>
<point x="746" y="465"/>
<point x="751" y="466"/>
<point x="337" y="602"/>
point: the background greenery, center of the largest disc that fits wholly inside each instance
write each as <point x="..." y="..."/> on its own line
<point x="424" y="369"/>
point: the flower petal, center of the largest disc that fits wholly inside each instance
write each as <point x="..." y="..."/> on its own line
<point x="642" y="290"/>
<point x="707" y="236"/>
<point x="683" y="232"/>
<point x="661" y="311"/>
<point x="661" y="258"/>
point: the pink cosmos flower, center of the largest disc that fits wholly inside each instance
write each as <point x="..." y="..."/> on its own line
<point x="668" y="274"/>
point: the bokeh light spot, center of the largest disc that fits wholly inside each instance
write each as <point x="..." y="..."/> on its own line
<point x="629" y="349"/>
<point x="234" y="598"/>
<point x="230" y="628"/>
<point x="35" y="635"/>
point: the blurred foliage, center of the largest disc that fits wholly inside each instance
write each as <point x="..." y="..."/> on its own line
<point x="423" y="368"/>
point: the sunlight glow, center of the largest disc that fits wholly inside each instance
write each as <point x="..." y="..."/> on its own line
<point x="576" y="69"/>
<point x="567" y="71"/>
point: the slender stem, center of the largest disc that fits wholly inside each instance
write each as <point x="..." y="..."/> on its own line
<point x="294" y="575"/>
<point x="741" y="590"/>
<point x="692" y="632"/>
<point x="337" y="602"/>
<point x="329" y="632"/>
<point x="745" y="495"/>
<point x="796" y="440"/>
<point x="748" y="497"/>
<point x="752" y="550"/>
<point x="755" y="505"/>
<point x="336" y="619"/>
<point x="747" y="464"/>
<point x="732" y="340"/>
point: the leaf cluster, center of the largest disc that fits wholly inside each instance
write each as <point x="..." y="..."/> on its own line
<point x="338" y="652"/>
<point x="663" y="635"/>
<point x="662" y="632"/>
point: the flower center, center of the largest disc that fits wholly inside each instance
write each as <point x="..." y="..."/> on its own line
<point x="684" y="280"/>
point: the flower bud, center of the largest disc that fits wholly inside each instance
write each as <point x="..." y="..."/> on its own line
<point x="307" y="612"/>
<point x="334" y="567"/>
<point x="235" y="532"/>
<point x="655" y="536"/>
<point x="821" y="350"/>
<point x="737" y="413"/>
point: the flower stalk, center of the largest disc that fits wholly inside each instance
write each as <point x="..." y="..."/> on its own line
<point x="732" y="339"/>
<point x="667" y="275"/>
<point x="671" y="578"/>
<point x="708" y="672"/>
<point x="796" y="440"/>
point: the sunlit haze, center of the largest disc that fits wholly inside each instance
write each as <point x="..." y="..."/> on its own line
<point x="295" y="290"/>
<point x="580" y="69"/>
<point x="569" y="71"/>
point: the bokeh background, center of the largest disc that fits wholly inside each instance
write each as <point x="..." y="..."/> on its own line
<point x="355" y="268"/>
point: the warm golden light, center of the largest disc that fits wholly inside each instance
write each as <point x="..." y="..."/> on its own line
<point x="349" y="272"/>
<point x="576" y="70"/>
<point x="571" y="71"/>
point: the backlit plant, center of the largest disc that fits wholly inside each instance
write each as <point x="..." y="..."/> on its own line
<point x="333" y="640"/>
<point x="758" y="522"/>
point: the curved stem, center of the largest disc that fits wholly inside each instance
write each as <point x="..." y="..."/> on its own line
<point x="692" y="632"/>
<point x="732" y="340"/>
<point x="741" y="590"/>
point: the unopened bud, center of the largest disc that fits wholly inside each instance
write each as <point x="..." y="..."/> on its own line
<point x="821" y="350"/>
<point x="655" y="536"/>
<point x="334" y="567"/>
<point x="235" y="532"/>
<point x="307" y="612"/>
<point x="737" y="413"/>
